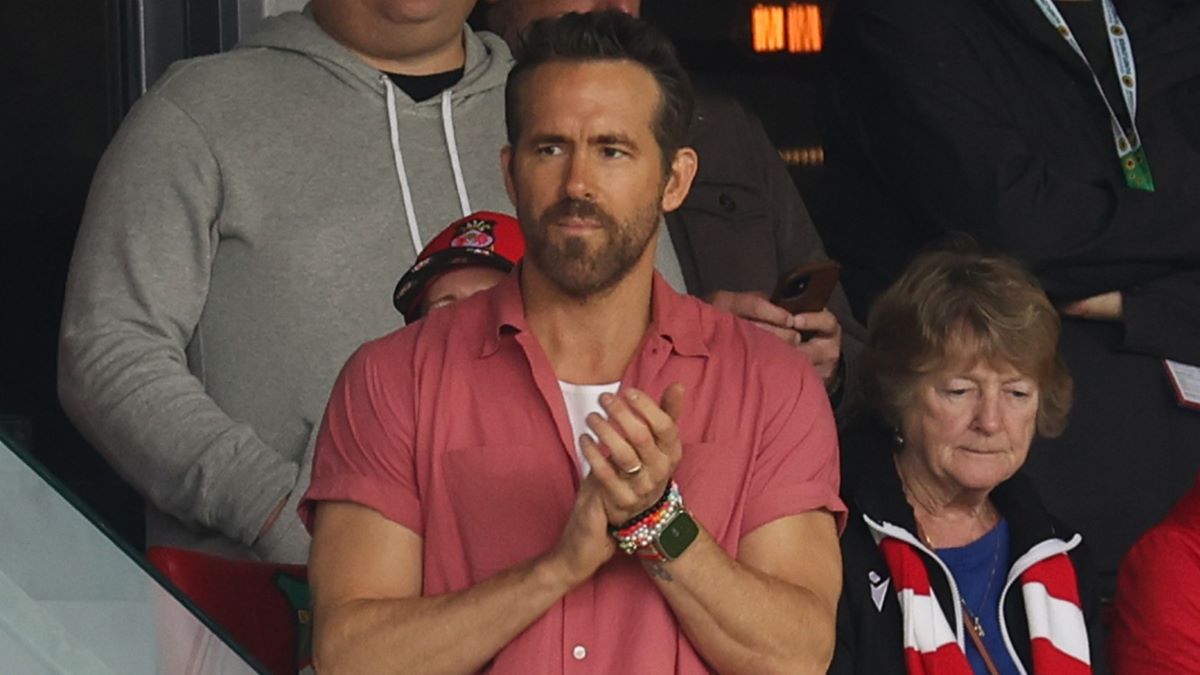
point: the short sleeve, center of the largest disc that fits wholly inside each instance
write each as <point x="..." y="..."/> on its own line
<point x="796" y="466"/>
<point x="364" y="452"/>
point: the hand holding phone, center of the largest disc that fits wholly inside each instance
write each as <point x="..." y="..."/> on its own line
<point x="808" y="287"/>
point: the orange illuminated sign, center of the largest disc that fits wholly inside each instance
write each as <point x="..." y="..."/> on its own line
<point x="796" y="28"/>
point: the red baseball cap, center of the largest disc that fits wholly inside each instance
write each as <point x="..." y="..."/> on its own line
<point x="484" y="238"/>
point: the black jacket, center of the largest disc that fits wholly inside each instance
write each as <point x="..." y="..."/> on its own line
<point x="978" y="117"/>
<point x="743" y="224"/>
<point x="870" y="640"/>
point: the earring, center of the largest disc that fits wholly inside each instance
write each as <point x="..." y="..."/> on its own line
<point x="897" y="437"/>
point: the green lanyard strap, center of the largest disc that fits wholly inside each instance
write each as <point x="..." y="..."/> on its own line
<point x="1130" y="152"/>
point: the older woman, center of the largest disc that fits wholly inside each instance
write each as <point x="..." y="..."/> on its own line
<point x="951" y="563"/>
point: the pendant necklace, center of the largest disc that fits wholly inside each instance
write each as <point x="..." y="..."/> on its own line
<point x="973" y="618"/>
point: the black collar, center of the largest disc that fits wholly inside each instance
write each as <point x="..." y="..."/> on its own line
<point x="871" y="485"/>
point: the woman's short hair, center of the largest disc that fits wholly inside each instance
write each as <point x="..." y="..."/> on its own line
<point x="953" y="306"/>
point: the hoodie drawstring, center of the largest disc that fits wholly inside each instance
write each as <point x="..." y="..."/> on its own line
<point x="452" y="147"/>
<point x="410" y="213"/>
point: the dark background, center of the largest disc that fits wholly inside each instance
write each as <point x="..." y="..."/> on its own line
<point x="68" y="76"/>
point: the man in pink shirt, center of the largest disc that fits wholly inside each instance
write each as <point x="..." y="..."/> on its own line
<point x="481" y="475"/>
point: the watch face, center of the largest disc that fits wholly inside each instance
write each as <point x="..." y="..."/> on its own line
<point x="678" y="535"/>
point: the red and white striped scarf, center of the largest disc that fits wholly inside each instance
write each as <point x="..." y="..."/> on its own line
<point x="1057" y="628"/>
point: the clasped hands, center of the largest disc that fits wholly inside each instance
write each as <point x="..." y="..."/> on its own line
<point x="641" y="437"/>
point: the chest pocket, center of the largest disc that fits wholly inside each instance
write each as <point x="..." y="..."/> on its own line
<point x="506" y="503"/>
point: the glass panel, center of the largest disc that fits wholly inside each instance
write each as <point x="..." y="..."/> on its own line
<point x="73" y="600"/>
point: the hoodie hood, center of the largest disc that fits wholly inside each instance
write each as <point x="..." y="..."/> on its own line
<point x="488" y="59"/>
<point x="485" y="70"/>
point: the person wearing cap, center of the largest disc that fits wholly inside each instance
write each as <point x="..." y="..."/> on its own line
<point x="580" y="469"/>
<point x="472" y="254"/>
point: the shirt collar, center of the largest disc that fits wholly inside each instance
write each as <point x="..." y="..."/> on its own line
<point x="505" y="312"/>
<point x="674" y="317"/>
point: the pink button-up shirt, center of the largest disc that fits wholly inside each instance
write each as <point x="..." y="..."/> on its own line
<point x="455" y="428"/>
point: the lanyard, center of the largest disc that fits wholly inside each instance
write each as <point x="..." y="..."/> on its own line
<point x="1129" y="146"/>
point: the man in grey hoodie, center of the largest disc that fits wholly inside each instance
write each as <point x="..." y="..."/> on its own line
<point x="243" y="235"/>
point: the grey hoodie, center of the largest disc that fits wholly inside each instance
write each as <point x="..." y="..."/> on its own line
<point x="242" y="237"/>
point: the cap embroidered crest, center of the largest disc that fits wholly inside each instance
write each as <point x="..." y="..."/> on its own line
<point x="474" y="234"/>
<point x="484" y="238"/>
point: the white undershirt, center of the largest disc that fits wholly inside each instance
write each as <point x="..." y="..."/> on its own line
<point x="582" y="400"/>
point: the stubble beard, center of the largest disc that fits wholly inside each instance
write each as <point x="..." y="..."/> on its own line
<point x="569" y="263"/>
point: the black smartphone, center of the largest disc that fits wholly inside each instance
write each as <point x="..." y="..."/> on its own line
<point x="808" y="287"/>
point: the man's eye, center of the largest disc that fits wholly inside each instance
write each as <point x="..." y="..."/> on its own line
<point x="549" y="150"/>
<point x="613" y="153"/>
<point x="1018" y="393"/>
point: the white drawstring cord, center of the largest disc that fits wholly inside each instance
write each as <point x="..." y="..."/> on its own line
<point x="452" y="147"/>
<point x="410" y="214"/>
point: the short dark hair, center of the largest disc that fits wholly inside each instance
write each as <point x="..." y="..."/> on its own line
<point x="951" y="305"/>
<point x="607" y="36"/>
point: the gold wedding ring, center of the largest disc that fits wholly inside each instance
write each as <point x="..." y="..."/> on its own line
<point x="634" y="471"/>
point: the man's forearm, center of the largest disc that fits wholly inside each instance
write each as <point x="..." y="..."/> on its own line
<point x="450" y="633"/>
<point x="742" y="620"/>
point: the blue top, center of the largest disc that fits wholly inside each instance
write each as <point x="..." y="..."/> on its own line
<point x="979" y="569"/>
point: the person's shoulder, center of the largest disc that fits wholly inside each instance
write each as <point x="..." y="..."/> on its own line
<point x="263" y="66"/>
<point x="496" y="49"/>
<point x="432" y="341"/>
<point x="762" y="352"/>
<point x="488" y="62"/>
<point x="1164" y="558"/>
<point x="720" y="124"/>
<point x="212" y="75"/>
<point x="714" y="103"/>
<point x="1168" y="540"/>
<point x="455" y="331"/>
<point x="385" y="351"/>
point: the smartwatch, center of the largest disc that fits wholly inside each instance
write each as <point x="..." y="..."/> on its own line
<point x="676" y="536"/>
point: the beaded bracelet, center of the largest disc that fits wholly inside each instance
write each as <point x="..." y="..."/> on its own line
<point x="614" y="529"/>
<point x="640" y="533"/>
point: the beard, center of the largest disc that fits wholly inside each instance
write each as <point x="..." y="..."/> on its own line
<point x="569" y="263"/>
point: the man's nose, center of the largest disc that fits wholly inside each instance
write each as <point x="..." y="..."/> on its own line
<point x="577" y="183"/>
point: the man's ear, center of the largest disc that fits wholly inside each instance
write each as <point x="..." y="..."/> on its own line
<point x="679" y="178"/>
<point x="506" y="168"/>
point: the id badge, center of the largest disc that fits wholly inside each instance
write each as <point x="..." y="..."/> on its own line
<point x="1137" y="170"/>
<point x="1185" y="380"/>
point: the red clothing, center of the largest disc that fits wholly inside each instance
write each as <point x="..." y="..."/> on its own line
<point x="1156" y="613"/>
<point x="456" y="428"/>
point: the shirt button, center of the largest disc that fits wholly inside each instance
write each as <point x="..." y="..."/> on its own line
<point x="580" y="652"/>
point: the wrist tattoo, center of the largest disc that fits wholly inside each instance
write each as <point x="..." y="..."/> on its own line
<point x="658" y="570"/>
